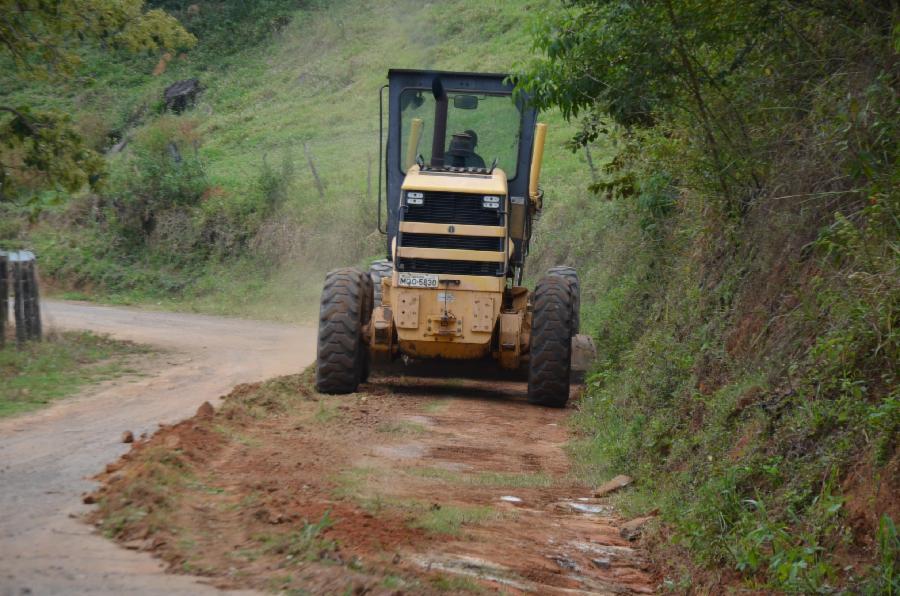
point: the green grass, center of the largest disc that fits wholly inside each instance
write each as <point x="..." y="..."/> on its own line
<point x="450" y="519"/>
<point x="326" y="413"/>
<point x="148" y="500"/>
<point x="59" y="366"/>
<point x="357" y="484"/>
<point x="353" y="482"/>
<point x="401" y="428"/>
<point x="236" y="436"/>
<point x="436" y="407"/>
<point x="303" y="545"/>
<point x="457" y="585"/>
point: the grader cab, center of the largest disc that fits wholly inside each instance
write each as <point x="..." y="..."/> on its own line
<point x="462" y="164"/>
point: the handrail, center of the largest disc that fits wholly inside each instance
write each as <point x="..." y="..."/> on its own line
<point x="381" y="152"/>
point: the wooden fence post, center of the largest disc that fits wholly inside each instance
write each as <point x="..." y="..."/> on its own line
<point x="27" y="300"/>
<point x="26" y="304"/>
<point x="312" y="168"/>
<point x="19" y="303"/>
<point x="4" y="297"/>
<point x="36" y="326"/>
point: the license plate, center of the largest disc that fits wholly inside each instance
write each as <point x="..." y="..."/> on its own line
<point x="418" y="280"/>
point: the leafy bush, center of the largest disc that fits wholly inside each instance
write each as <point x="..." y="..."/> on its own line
<point x="162" y="170"/>
<point x="225" y="27"/>
<point x="276" y="185"/>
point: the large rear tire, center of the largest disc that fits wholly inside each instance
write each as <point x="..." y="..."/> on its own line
<point x="550" y="365"/>
<point x="377" y="271"/>
<point x="342" y="356"/>
<point x="570" y="274"/>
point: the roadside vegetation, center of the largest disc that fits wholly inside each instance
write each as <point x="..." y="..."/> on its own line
<point x="57" y="367"/>
<point x="742" y="279"/>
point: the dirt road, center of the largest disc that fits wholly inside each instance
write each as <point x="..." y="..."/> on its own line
<point x="47" y="457"/>
<point x="410" y="486"/>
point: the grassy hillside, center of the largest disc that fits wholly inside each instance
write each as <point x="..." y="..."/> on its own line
<point x="287" y="87"/>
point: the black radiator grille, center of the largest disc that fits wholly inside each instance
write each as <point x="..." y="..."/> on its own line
<point x="449" y="267"/>
<point x="451" y="241"/>
<point x="453" y="208"/>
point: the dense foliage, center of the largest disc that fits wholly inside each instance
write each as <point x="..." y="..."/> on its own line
<point x="749" y="335"/>
<point x="42" y="148"/>
<point x="226" y="28"/>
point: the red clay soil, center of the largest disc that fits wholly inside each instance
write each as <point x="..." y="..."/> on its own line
<point x="406" y="487"/>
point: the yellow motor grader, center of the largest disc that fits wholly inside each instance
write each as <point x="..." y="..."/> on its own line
<point x="461" y="165"/>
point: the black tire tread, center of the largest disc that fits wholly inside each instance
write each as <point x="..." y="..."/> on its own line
<point x="550" y="363"/>
<point x="572" y="275"/>
<point x="378" y="270"/>
<point x="340" y="357"/>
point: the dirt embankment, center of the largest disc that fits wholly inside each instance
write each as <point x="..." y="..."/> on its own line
<point x="409" y="486"/>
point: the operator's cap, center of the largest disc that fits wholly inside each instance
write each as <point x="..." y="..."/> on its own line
<point x="462" y="143"/>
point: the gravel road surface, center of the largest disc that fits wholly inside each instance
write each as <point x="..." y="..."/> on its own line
<point x="47" y="458"/>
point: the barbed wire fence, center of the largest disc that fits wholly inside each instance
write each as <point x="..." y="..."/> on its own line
<point x="19" y="281"/>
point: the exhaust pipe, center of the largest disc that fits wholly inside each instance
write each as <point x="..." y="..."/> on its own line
<point x="440" y="123"/>
<point x="415" y="135"/>
<point x="537" y="158"/>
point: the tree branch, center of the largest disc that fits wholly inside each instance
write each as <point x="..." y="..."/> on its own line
<point x="694" y="86"/>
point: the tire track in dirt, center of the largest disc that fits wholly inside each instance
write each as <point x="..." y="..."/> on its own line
<point x="545" y="544"/>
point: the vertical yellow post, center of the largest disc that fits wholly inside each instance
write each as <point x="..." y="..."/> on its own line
<point x="537" y="158"/>
<point x="415" y="133"/>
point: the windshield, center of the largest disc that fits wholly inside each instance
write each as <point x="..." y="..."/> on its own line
<point x="480" y="128"/>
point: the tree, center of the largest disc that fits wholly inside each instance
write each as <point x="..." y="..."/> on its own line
<point x="724" y="73"/>
<point x="39" y="39"/>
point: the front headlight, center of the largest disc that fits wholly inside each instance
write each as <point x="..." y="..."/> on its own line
<point x="415" y="198"/>
<point x="490" y="202"/>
